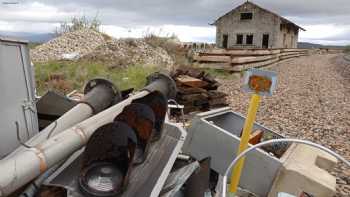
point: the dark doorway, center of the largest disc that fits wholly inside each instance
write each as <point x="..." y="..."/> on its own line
<point x="239" y="39"/>
<point x="249" y="40"/>
<point x="265" y="41"/>
<point x="225" y="41"/>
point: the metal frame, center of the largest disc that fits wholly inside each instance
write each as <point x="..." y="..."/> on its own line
<point x="208" y="137"/>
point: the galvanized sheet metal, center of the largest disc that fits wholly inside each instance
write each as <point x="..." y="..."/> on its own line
<point x="17" y="102"/>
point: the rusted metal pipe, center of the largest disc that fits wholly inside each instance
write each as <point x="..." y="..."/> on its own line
<point x="25" y="166"/>
<point x="163" y="83"/>
<point x="99" y="95"/>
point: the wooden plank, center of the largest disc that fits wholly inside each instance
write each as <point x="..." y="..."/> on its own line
<point x="212" y="58"/>
<point x="218" y="66"/>
<point x="239" y="68"/>
<point x="292" y="56"/>
<point x="190" y="90"/>
<point x="292" y="53"/>
<point x="251" y="59"/>
<point x="217" y="101"/>
<point x="293" y="50"/>
<point x="241" y="52"/>
<point x="191" y="81"/>
<point x="256" y="137"/>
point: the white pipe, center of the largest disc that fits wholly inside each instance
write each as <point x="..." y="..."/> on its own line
<point x="275" y="141"/>
<point x="25" y="166"/>
<point x="77" y="114"/>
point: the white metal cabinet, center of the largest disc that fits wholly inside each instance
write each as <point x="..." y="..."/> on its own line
<point x="16" y="95"/>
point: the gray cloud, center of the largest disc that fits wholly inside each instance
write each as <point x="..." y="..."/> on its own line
<point x="202" y="12"/>
<point x="131" y="13"/>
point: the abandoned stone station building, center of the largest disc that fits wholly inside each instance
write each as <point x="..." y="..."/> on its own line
<point x="251" y="26"/>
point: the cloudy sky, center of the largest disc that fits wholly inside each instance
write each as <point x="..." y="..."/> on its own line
<point x="327" y="22"/>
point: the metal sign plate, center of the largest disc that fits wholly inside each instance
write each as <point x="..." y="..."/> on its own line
<point x="261" y="82"/>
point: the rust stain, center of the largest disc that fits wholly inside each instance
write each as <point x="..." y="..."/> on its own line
<point x="81" y="133"/>
<point x="40" y="154"/>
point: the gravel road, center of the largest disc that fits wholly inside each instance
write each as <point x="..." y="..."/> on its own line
<point x="312" y="102"/>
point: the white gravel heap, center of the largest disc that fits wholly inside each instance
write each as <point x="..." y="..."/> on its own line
<point x="81" y="42"/>
<point x="124" y="52"/>
<point x="91" y="45"/>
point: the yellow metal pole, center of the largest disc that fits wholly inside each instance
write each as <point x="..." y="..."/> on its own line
<point x="248" y="126"/>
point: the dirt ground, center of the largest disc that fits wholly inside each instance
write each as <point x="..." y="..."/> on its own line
<point x="312" y="102"/>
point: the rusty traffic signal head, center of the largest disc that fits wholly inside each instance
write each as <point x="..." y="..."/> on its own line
<point x="107" y="159"/>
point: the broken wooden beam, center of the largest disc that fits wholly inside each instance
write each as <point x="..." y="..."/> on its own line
<point x="191" y="81"/>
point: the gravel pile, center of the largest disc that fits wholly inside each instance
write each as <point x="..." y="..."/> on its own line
<point x="95" y="46"/>
<point x="123" y="52"/>
<point x="312" y="102"/>
<point x="80" y="42"/>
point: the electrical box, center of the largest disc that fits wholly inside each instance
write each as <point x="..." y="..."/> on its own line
<point x="18" y="114"/>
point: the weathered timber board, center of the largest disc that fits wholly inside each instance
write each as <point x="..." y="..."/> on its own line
<point x="190" y="90"/>
<point x="212" y="58"/>
<point x="243" y="52"/>
<point x="191" y="81"/>
<point x="245" y="60"/>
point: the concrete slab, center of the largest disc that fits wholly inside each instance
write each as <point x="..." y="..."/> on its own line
<point x="305" y="170"/>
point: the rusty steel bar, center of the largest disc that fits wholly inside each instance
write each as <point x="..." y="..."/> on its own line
<point x="25" y="166"/>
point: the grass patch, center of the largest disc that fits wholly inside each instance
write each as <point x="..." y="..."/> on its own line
<point x="347" y="49"/>
<point x="66" y="76"/>
<point x="32" y="45"/>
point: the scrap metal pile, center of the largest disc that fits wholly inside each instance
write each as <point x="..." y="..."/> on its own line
<point x="197" y="90"/>
<point x="115" y="143"/>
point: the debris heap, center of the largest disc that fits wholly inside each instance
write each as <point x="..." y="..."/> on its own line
<point x="80" y="43"/>
<point x="197" y="90"/>
<point x="95" y="46"/>
<point x="122" y="52"/>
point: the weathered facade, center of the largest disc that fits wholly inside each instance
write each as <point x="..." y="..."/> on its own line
<point x="250" y="26"/>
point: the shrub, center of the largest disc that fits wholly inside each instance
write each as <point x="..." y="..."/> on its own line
<point x="78" y="23"/>
<point x="170" y="45"/>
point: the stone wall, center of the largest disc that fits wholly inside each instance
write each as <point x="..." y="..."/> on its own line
<point x="287" y="38"/>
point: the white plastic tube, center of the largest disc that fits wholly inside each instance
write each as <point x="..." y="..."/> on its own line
<point x="77" y="114"/>
<point x="25" y="166"/>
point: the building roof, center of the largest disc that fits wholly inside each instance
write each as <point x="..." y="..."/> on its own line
<point x="283" y="20"/>
<point x="12" y="39"/>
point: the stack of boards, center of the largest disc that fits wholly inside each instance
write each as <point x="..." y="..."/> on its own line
<point x="197" y="90"/>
